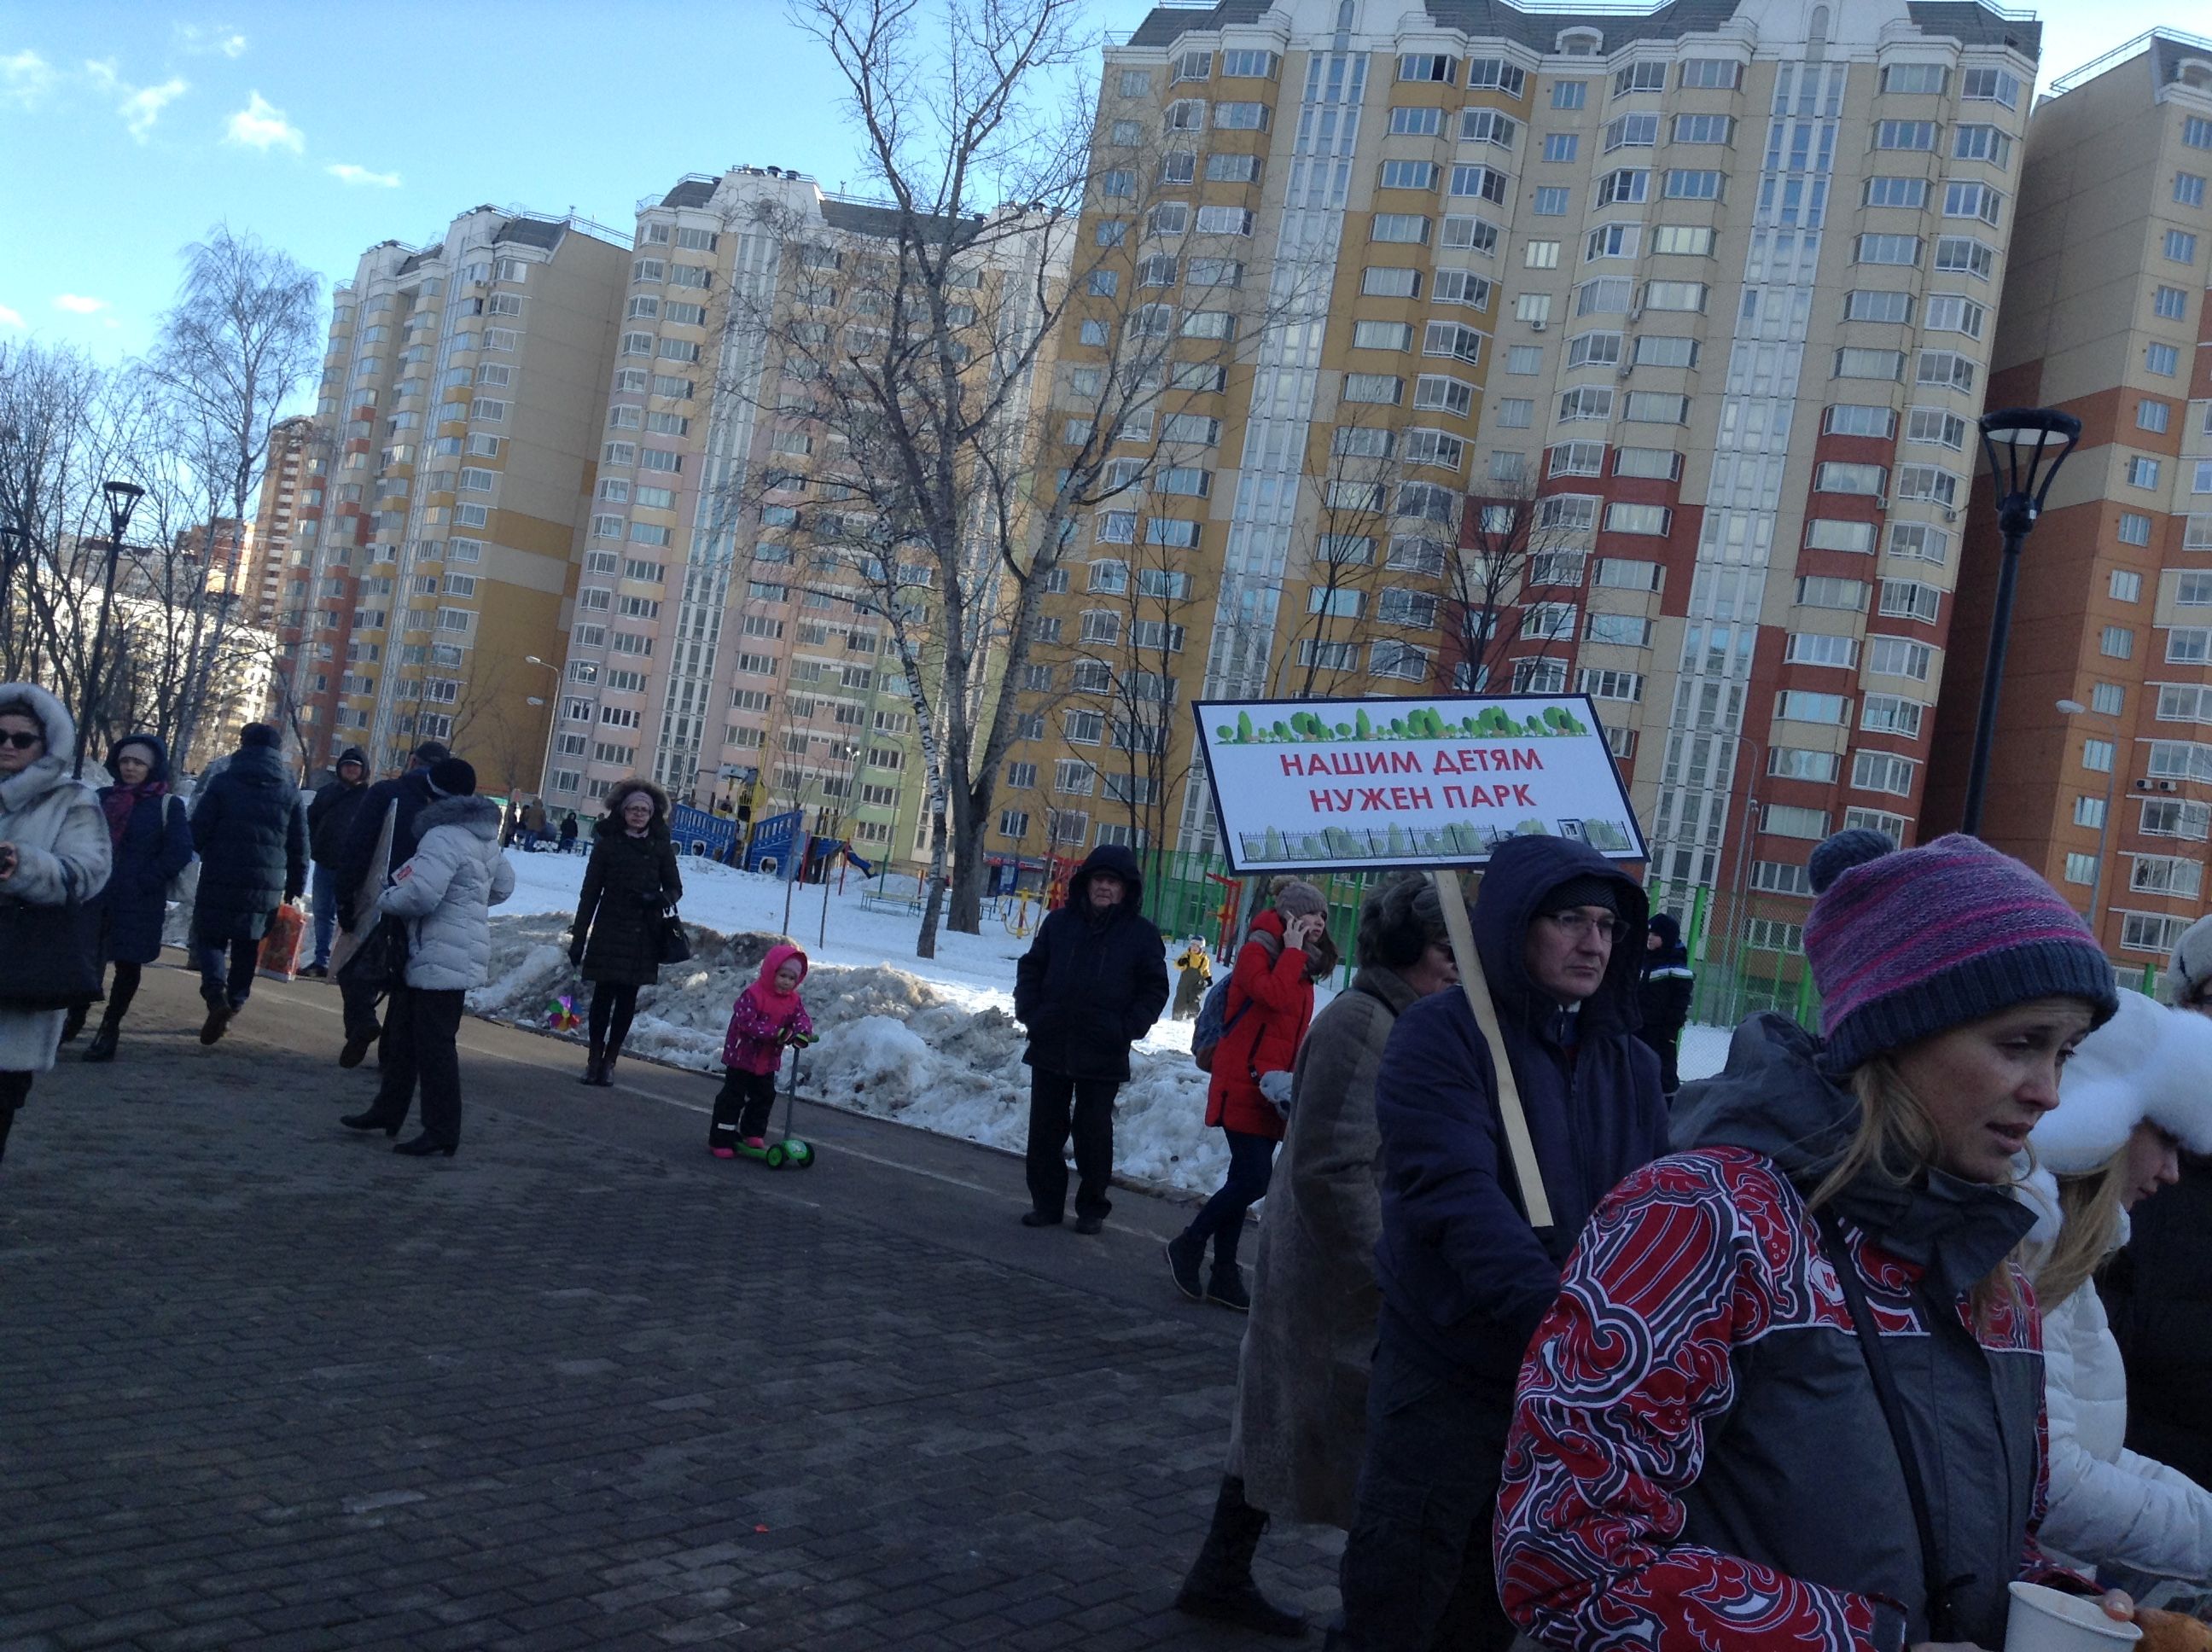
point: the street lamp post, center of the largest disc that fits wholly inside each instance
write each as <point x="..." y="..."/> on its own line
<point x="123" y="499"/>
<point x="552" y="722"/>
<point x="2076" y="708"/>
<point x="2020" y="442"/>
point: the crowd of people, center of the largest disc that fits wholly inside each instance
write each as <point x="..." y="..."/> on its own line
<point x="1835" y="1349"/>
<point x="1831" y="1350"/>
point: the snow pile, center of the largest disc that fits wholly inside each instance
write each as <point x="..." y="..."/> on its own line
<point x="940" y="1054"/>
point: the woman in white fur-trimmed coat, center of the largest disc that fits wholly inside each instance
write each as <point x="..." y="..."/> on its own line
<point x="2138" y="1090"/>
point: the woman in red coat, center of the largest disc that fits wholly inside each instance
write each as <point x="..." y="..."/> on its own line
<point x="1270" y="1004"/>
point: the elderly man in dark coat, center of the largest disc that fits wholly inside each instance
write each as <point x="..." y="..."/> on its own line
<point x="330" y="821"/>
<point x="1091" y="984"/>
<point x="360" y="877"/>
<point x="252" y="834"/>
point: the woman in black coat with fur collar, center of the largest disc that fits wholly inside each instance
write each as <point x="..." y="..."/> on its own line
<point x="628" y="886"/>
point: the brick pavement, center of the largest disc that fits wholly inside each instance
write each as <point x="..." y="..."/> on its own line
<point x="264" y="1386"/>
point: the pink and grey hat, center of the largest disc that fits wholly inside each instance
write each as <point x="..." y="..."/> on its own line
<point x="1908" y="943"/>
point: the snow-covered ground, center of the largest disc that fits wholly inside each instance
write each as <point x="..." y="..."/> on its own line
<point x="929" y="1042"/>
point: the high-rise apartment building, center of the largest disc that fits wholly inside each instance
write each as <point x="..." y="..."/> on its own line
<point x="1702" y="299"/>
<point x="2104" y="317"/>
<point x="710" y="638"/>
<point x="433" y="552"/>
<point x="260" y="580"/>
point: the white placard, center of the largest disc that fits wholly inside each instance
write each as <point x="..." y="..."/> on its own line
<point x="1308" y="785"/>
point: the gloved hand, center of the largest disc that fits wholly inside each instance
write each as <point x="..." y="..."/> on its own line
<point x="576" y="952"/>
<point x="802" y="1040"/>
<point x="653" y="901"/>
<point x="1276" y="1088"/>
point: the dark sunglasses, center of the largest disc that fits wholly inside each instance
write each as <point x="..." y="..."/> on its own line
<point x="20" y="739"/>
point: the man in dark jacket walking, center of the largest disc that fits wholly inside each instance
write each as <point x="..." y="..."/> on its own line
<point x="402" y="797"/>
<point x="1465" y="1279"/>
<point x="1662" y="996"/>
<point x="1091" y="984"/>
<point x="330" y="818"/>
<point x="252" y="834"/>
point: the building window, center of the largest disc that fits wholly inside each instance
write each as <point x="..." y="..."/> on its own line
<point x="2142" y="472"/>
<point x="2164" y="360"/>
<point x="2180" y="246"/>
<point x="2117" y="642"/>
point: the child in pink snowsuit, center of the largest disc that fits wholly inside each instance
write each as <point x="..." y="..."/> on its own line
<point x="767" y="1017"/>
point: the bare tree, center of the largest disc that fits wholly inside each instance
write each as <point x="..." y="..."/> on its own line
<point x="244" y="337"/>
<point x="948" y="503"/>
<point x="1513" y="547"/>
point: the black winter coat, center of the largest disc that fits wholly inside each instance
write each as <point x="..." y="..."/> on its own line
<point x="330" y="820"/>
<point x="629" y="884"/>
<point x="2159" y="1292"/>
<point x="156" y="845"/>
<point x="1465" y="1279"/>
<point x="251" y="834"/>
<point x="412" y="793"/>
<point x="1089" y="986"/>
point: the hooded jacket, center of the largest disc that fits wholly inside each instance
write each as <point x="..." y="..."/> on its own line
<point x="756" y="1039"/>
<point x="252" y="834"/>
<point x="445" y="891"/>
<point x="330" y="816"/>
<point x="1271" y="1000"/>
<point x="1091" y="984"/>
<point x="1662" y="995"/>
<point x="1465" y="1279"/>
<point x="62" y="854"/>
<point x="629" y="885"/>
<point x="1698" y="1456"/>
<point x="156" y="846"/>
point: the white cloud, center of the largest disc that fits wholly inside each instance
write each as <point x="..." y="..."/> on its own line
<point x="139" y="106"/>
<point x="200" y="40"/>
<point x="346" y="173"/>
<point x="10" y="318"/>
<point x="25" y="78"/>
<point x="261" y="126"/>
<point x="77" y="304"/>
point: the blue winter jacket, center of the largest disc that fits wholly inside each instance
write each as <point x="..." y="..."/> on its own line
<point x="157" y="844"/>
<point x="1465" y="1280"/>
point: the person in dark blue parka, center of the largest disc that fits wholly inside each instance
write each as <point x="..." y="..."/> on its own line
<point x="251" y="830"/>
<point x="1465" y="1279"/>
<point x="152" y="842"/>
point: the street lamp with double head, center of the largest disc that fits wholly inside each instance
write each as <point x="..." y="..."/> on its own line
<point x="122" y="498"/>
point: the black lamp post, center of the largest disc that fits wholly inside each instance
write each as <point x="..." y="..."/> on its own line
<point x="2026" y="447"/>
<point x="123" y="499"/>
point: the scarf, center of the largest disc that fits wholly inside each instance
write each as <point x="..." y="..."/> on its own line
<point x="117" y="801"/>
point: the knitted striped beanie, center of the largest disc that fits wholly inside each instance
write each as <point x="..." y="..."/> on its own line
<point x="1907" y="942"/>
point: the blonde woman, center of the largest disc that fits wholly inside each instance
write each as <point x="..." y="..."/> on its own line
<point x="2139" y="1090"/>
<point x="1789" y="1395"/>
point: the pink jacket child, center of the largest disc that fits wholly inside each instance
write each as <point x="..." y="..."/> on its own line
<point x="767" y="1018"/>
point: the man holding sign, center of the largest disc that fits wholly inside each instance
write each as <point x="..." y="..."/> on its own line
<point x="1465" y="1280"/>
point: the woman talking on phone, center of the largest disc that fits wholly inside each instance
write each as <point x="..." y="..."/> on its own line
<point x="53" y="851"/>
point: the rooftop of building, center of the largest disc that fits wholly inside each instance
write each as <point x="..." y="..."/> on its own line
<point x="853" y="214"/>
<point x="2168" y="53"/>
<point x="1971" y="22"/>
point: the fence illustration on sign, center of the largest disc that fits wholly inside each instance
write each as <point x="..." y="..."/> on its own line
<point x="1299" y="785"/>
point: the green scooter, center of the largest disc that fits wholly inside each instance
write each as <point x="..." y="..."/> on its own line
<point x="790" y="1153"/>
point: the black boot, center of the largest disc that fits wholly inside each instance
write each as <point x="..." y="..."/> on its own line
<point x="102" y="1047"/>
<point x="1220" y="1585"/>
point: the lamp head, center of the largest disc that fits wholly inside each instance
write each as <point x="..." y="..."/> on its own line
<point x="2026" y="446"/>
<point x="2072" y="708"/>
<point x="123" y="499"/>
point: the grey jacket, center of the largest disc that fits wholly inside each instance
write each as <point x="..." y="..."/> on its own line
<point x="1698" y="1453"/>
<point x="1302" y="1380"/>
<point x="447" y="891"/>
<point x="62" y="854"/>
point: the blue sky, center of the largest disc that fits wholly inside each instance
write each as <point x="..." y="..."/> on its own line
<point x="128" y="131"/>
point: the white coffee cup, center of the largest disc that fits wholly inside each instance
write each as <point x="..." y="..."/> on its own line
<point x="2045" y="1620"/>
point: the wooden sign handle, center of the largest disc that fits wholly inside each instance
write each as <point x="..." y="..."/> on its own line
<point x="1472" y="982"/>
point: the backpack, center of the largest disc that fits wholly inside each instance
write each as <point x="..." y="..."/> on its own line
<point x="1214" y="1020"/>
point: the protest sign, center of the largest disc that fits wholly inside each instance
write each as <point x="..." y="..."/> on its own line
<point x="1304" y="785"/>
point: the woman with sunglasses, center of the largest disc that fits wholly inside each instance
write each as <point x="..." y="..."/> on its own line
<point x="53" y="851"/>
<point x="1790" y="1393"/>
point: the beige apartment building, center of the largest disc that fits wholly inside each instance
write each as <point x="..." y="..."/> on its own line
<point x="433" y="555"/>
<point x="709" y="645"/>
<point x="1706" y="295"/>
<point x="2104" y="317"/>
<point x="268" y="550"/>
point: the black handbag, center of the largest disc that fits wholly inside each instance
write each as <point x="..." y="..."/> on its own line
<point x="675" y="945"/>
<point x="380" y="960"/>
<point x="49" y="955"/>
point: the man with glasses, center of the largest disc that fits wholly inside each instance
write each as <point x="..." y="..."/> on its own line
<point x="1465" y="1279"/>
